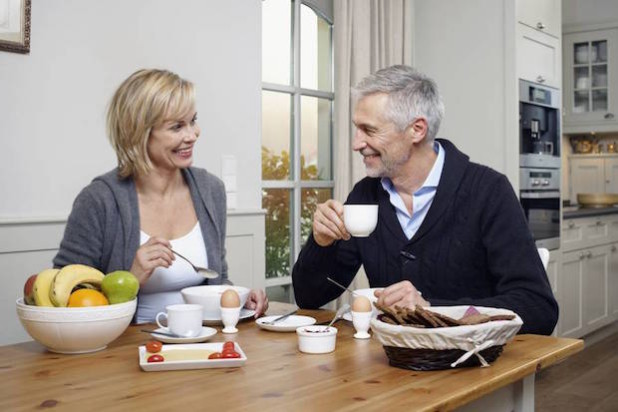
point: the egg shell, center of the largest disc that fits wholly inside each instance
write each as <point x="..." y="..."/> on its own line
<point x="230" y="299"/>
<point x="361" y="304"/>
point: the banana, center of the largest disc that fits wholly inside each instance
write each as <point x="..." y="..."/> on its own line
<point x="70" y="276"/>
<point x="42" y="286"/>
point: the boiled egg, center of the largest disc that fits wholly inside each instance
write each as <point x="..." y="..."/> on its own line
<point x="361" y="304"/>
<point x="230" y="299"/>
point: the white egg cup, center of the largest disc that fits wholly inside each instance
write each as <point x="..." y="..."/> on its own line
<point x="230" y="317"/>
<point x="361" y="321"/>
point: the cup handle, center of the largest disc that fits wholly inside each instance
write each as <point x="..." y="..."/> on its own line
<point x="157" y="319"/>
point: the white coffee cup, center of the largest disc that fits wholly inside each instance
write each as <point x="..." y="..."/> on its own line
<point x="183" y="319"/>
<point x="360" y="220"/>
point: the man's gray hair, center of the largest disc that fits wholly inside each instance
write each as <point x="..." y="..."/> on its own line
<point x="411" y="94"/>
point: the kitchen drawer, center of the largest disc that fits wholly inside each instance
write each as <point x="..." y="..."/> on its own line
<point x="579" y="233"/>
<point x="572" y="234"/>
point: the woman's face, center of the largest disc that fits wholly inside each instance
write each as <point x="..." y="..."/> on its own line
<point x="170" y="145"/>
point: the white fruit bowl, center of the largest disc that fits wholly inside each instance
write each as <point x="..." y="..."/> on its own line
<point x="75" y="330"/>
<point x="209" y="296"/>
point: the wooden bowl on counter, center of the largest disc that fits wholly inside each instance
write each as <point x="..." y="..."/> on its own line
<point x="597" y="199"/>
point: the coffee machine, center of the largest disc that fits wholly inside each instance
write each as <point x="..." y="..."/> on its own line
<point x="539" y="144"/>
<point x="539" y="125"/>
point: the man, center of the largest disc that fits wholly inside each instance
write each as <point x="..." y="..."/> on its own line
<point x="449" y="232"/>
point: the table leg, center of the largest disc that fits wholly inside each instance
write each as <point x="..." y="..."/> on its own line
<point x="524" y="394"/>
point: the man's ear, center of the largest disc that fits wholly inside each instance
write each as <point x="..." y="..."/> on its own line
<point x="417" y="130"/>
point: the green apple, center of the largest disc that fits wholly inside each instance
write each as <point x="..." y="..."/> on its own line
<point x="120" y="286"/>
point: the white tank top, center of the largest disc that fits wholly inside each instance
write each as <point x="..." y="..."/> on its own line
<point x="163" y="286"/>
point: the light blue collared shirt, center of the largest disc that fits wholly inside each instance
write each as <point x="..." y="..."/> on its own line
<point x="421" y="199"/>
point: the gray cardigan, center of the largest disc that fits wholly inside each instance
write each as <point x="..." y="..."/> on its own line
<point x="103" y="229"/>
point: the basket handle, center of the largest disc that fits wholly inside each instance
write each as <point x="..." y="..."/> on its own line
<point x="475" y="351"/>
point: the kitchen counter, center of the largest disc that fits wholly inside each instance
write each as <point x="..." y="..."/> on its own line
<point x="572" y="212"/>
<point x="356" y="376"/>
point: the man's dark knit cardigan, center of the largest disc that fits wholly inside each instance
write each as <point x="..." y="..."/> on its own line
<point x="473" y="248"/>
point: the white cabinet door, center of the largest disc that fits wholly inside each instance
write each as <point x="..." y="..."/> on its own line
<point x="594" y="287"/>
<point x="538" y="57"/>
<point x="611" y="175"/>
<point x="543" y="15"/>
<point x="569" y="294"/>
<point x="590" y="81"/>
<point x="587" y="176"/>
<point x="612" y="281"/>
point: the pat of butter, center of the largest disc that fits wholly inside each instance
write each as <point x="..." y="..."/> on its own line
<point x="172" y="355"/>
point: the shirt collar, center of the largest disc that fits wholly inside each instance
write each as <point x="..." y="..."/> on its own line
<point x="433" y="178"/>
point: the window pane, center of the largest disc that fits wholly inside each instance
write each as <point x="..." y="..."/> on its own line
<point x="310" y="198"/>
<point x="315" y="51"/>
<point x="276" y="135"/>
<point x="280" y="293"/>
<point x="315" y="136"/>
<point x="277" y="203"/>
<point x="276" y="41"/>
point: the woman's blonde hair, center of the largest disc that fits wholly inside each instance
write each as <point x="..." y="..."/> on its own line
<point x="146" y="99"/>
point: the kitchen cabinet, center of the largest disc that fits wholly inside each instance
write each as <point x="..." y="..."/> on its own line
<point x="590" y="81"/>
<point x="593" y="174"/>
<point x="540" y="15"/>
<point x="538" y="57"/>
<point x="587" y="284"/>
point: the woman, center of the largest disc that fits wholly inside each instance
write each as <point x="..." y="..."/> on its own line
<point x="131" y="217"/>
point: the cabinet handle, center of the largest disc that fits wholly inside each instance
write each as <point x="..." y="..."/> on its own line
<point x="609" y="115"/>
<point x="540" y="25"/>
<point x="582" y="255"/>
<point x="613" y="248"/>
<point x="571" y="225"/>
<point x="589" y="254"/>
<point x="541" y="79"/>
<point x="599" y="223"/>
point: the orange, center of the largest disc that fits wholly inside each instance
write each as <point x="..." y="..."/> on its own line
<point x="87" y="297"/>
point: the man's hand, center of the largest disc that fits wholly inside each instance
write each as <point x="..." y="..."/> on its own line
<point x="152" y="254"/>
<point x="402" y="294"/>
<point x="328" y="223"/>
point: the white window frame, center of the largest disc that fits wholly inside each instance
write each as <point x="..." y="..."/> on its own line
<point x="295" y="184"/>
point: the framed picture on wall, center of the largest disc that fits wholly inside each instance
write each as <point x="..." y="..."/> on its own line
<point x="15" y="26"/>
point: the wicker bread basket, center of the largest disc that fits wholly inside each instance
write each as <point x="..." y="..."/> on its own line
<point x="448" y="347"/>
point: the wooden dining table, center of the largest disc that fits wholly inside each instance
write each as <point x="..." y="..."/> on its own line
<point x="276" y="376"/>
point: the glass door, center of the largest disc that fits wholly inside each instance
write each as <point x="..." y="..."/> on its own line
<point x="590" y="83"/>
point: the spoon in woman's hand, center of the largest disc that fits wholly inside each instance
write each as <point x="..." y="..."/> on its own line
<point x="207" y="273"/>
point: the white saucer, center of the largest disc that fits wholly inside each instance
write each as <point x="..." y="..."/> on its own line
<point x="288" y="324"/>
<point x="244" y="314"/>
<point x="206" y="334"/>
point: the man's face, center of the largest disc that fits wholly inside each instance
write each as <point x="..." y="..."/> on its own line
<point x="385" y="149"/>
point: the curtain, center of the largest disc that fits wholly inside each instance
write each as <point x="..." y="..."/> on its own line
<point x="368" y="35"/>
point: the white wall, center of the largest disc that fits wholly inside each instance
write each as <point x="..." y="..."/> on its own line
<point x="52" y="107"/>
<point x="575" y="12"/>
<point x="468" y="48"/>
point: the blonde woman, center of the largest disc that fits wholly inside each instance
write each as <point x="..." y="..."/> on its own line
<point x="131" y="217"/>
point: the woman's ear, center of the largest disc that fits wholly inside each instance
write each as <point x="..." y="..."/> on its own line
<point x="417" y="130"/>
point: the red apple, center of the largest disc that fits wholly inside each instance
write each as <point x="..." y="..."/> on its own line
<point x="29" y="290"/>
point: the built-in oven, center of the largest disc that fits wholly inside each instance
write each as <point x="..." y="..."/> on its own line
<point x="540" y="200"/>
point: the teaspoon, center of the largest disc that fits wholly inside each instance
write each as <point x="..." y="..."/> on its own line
<point x="207" y="273"/>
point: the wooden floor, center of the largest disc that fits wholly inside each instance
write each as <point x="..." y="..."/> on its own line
<point x="586" y="382"/>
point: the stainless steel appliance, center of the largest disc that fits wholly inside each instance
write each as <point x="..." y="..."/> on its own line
<point x="539" y="132"/>
<point x="540" y="199"/>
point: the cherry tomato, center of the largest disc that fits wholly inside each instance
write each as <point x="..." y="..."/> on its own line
<point x="229" y="345"/>
<point x="230" y="355"/>
<point x="216" y="355"/>
<point x="154" y="346"/>
<point x="155" y="358"/>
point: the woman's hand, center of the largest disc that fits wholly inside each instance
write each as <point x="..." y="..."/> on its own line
<point x="402" y="294"/>
<point x="152" y="254"/>
<point x="257" y="301"/>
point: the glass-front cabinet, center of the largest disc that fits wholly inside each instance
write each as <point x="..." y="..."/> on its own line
<point x="590" y="86"/>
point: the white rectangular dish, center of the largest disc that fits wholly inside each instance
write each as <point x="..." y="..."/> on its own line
<point x="206" y="363"/>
